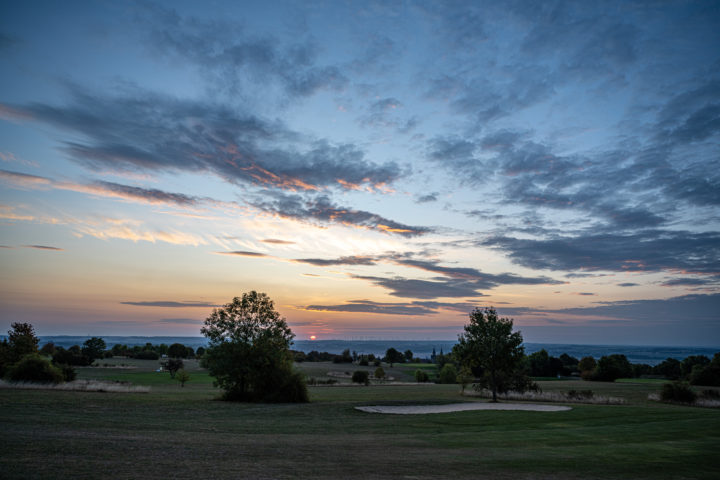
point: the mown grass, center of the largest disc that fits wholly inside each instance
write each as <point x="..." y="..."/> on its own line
<point x="175" y="432"/>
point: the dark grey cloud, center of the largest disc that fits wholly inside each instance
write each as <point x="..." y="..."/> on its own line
<point x="152" y="195"/>
<point x="628" y="284"/>
<point x="438" y="287"/>
<point x="170" y="304"/>
<point x="239" y="62"/>
<point x="243" y="253"/>
<point x="695" y="309"/>
<point x="649" y="251"/>
<point x="478" y="278"/>
<point x="44" y="247"/>
<point x="691" y="281"/>
<point x="143" y="131"/>
<point x="417" y="308"/>
<point x="430" y="197"/>
<point x="349" y="260"/>
<point x="367" y="306"/>
<point x="320" y="208"/>
<point x="277" y="241"/>
<point x="181" y="321"/>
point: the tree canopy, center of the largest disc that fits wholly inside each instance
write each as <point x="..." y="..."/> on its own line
<point x="490" y="347"/>
<point x="249" y="351"/>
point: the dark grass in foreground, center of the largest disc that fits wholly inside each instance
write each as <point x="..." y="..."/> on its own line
<point x="175" y="432"/>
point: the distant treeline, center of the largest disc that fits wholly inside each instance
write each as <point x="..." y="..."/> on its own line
<point x="696" y="369"/>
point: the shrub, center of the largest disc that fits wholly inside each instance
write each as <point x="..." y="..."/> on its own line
<point x="146" y="355"/>
<point x="710" y="394"/>
<point x="708" y="376"/>
<point x="580" y="394"/>
<point x="587" y="366"/>
<point x="379" y="373"/>
<point x="34" y="368"/>
<point x="363" y="361"/>
<point x="421" y="376"/>
<point x="361" y="376"/>
<point x="611" y="367"/>
<point x="448" y="374"/>
<point x="68" y="372"/>
<point x="678" y="392"/>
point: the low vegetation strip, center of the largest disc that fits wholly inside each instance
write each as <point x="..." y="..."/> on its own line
<point x="583" y="396"/>
<point x="458" y="407"/>
<point x="78" y="386"/>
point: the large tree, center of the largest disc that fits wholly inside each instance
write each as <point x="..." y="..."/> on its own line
<point x="490" y="347"/>
<point x="249" y="351"/>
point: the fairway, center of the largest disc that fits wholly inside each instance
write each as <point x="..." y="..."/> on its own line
<point x="186" y="433"/>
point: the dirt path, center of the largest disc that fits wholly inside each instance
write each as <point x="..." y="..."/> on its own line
<point x="459" y="407"/>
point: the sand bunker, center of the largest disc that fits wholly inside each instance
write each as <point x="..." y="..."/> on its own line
<point x="459" y="407"/>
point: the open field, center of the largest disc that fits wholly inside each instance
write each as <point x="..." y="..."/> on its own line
<point x="174" y="432"/>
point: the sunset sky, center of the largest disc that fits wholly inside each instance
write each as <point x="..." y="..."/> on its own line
<point x="378" y="169"/>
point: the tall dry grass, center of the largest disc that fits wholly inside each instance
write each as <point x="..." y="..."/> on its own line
<point x="77" y="386"/>
<point x="549" y="397"/>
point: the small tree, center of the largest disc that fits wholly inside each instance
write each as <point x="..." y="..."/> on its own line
<point x="94" y="348"/>
<point x="379" y="373"/>
<point x="421" y="376"/>
<point x="361" y="376"/>
<point x="182" y="376"/>
<point x="177" y="350"/>
<point x="21" y="341"/>
<point x="173" y="365"/>
<point x="393" y="356"/>
<point x="408" y="355"/>
<point x="490" y="345"/>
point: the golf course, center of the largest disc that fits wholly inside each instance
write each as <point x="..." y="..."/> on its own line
<point x="152" y="427"/>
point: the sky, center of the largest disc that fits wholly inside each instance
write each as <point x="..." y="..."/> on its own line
<point x="379" y="169"/>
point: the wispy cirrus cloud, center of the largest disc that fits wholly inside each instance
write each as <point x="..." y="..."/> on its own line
<point x="238" y="62"/>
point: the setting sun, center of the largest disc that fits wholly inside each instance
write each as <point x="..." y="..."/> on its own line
<point x="312" y="337"/>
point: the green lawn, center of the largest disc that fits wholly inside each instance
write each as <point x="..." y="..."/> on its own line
<point x="174" y="432"/>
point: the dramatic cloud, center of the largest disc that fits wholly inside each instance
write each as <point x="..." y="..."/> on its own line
<point x="648" y="251"/>
<point x="351" y="260"/>
<point x="367" y="306"/>
<point x="143" y="131"/>
<point x="170" y="304"/>
<point x="321" y="208"/>
<point x="438" y="287"/>
<point x="480" y="279"/>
